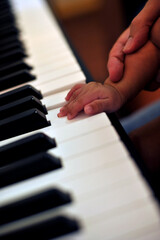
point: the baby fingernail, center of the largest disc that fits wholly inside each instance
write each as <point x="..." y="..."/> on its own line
<point x="69" y="116"/>
<point x="88" y="109"/>
<point x="60" y="114"/>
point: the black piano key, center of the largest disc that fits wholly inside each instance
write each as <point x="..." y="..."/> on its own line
<point x="44" y="230"/>
<point x="12" y="47"/>
<point x="14" y="67"/>
<point x="8" y="41"/>
<point x="15" y="79"/>
<point x="22" y="123"/>
<point x="7" y="32"/>
<point x="40" y="202"/>
<point x="7" y="16"/>
<point x="8" y="28"/>
<point x="21" y="105"/>
<point x="19" y="93"/>
<point x="4" y="2"/>
<point x="25" y="147"/>
<point x="4" y="10"/>
<point x="27" y="168"/>
<point x="13" y="56"/>
<point x="5" y="5"/>
<point x="6" y="20"/>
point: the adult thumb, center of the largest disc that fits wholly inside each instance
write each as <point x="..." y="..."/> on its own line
<point x="141" y="26"/>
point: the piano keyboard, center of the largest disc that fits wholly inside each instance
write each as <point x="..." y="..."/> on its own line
<point x="60" y="179"/>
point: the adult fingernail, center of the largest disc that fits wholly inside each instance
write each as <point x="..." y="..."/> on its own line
<point x="128" y="45"/>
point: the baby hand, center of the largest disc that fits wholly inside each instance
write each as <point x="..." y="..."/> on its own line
<point x="92" y="98"/>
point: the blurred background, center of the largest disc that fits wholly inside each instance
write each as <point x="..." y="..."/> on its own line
<point x="92" y="27"/>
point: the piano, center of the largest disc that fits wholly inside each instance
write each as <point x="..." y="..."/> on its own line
<point x="61" y="179"/>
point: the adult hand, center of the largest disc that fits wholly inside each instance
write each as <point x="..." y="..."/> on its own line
<point x="116" y="58"/>
<point x="141" y="25"/>
<point x="133" y="38"/>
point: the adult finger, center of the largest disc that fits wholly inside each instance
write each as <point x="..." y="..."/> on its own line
<point x="141" y="25"/>
<point x="116" y="58"/>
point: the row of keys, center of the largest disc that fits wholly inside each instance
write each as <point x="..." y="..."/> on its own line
<point x="107" y="190"/>
<point x="22" y="111"/>
<point x="22" y="115"/>
<point x="13" y="69"/>
<point x="25" y="114"/>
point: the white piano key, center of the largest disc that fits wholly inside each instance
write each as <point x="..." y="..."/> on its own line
<point x="60" y="122"/>
<point x="56" y="123"/>
<point x="151" y="233"/>
<point x="86" y="142"/>
<point x="102" y="120"/>
<point x="55" y="101"/>
<point x="74" y="130"/>
<point x="54" y="59"/>
<point x="114" y="227"/>
<point x="45" y="50"/>
<point x="61" y="84"/>
<point x="49" y="64"/>
<point x="135" y="219"/>
<point x="108" y="219"/>
<point x="82" y="185"/>
<point x="55" y="49"/>
<point x="79" y="126"/>
<point x="110" y="196"/>
<point x="55" y="43"/>
<point x="108" y="201"/>
<point x="57" y="73"/>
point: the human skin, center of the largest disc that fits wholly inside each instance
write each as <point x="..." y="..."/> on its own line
<point x="109" y="97"/>
<point x="134" y="37"/>
<point x="141" y="68"/>
<point x="141" y="25"/>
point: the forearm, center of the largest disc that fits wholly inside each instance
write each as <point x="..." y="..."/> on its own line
<point x="140" y="69"/>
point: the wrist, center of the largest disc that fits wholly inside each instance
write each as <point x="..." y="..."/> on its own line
<point x="120" y="98"/>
